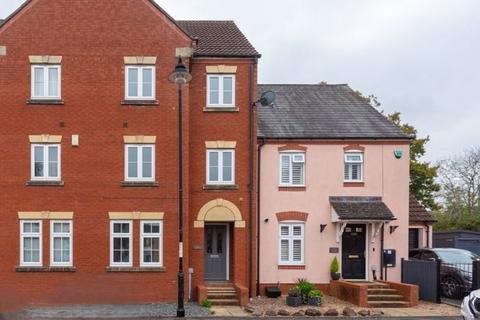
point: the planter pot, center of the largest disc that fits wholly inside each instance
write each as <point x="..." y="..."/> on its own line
<point x="335" y="275"/>
<point x="294" y="301"/>
<point x="314" y="301"/>
<point x="273" y="292"/>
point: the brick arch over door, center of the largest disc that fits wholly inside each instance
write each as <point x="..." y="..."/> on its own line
<point x="219" y="210"/>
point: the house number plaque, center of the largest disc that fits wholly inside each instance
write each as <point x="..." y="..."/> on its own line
<point x="333" y="250"/>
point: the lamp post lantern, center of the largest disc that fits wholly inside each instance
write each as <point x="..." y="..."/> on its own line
<point x="180" y="76"/>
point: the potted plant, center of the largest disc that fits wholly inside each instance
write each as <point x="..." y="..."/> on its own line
<point x="315" y="297"/>
<point x="334" y="269"/>
<point x="305" y="288"/>
<point x="294" y="298"/>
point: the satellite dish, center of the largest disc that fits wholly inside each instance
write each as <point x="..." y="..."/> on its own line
<point x="267" y="98"/>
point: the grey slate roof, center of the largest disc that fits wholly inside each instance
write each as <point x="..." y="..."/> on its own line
<point x="418" y="213"/>
<point x="361" y="208"/>
<point x="321" y="112"/>
<point x="1" y="21"/>
<point x="218" y="39"/>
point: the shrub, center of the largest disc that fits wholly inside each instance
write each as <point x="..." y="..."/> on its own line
<point x="315" y="293"/>
<point x="294" y="292"/>
<point x="207" y="303"/>
<point x="305" y="288"/>
<point x="334" y="265"/>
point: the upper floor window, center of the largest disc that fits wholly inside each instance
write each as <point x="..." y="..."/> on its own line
<point x="140" y="82"/>
<point x="121" y="243"/>
<point x="45" y="160"/>
<point x="291" y="247"/>
<point x="220" y="167"/>
<point x="61" y="243"/>
<point x="139" y="162"/>
<point x="221" y="90"/>
<point x="292" y="169"/>
<point x="46" y="82"/>
<point x="353" y="167"/>
<point x="30" y="243"/>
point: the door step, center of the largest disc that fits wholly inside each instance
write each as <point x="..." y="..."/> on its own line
<point x="222" y="294"/>
<point x="387" y="304"/>
<point x="380" y="295"/>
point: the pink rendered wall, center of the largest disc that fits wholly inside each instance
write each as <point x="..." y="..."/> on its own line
<point x="384" y="176"/>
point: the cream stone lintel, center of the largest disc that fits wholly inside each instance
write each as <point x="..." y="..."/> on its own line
<point x="136" y="215"/>
<point x="3" y="50"/>
<point x="45" y="138"/>
<point x="140" y="60"/>
<point x="220" y="144"/>
<point x="219" y="210"/>
<point x="45" y="59"/>
<point x="45" y="215"/>
<point x="222" y="69"/>
<point x="140" y="139"/>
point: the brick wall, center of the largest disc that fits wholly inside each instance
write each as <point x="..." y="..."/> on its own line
<point x="93" y="42"/>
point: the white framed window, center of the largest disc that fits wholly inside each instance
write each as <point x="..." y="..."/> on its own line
<point x="220" y="166"/>
<point x="292" y="169"/>
<point x="31" y="243"/>
<point x="121" y="243"/>
<point x="139" y="162"/>
<point x="61" y="252"/>
<point x="353" y="167"/>
<point x="46" y="81"/>
<point x="220" y="90"/>
<point x="140" y="82"/>
<point x="291" y="243"/>
<point x="151" y="245"/>
<point x="45" y="162"/>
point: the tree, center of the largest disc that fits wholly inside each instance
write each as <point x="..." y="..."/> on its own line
<point x="423" y="185"/>
<point x="460" y="179"/>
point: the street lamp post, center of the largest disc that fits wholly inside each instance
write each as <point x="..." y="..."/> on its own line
<point x="180" y="76"/>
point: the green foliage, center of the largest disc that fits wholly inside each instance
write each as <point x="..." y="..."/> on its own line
<point x="449" y="222"/>
<point x="315" y="293"/>
<point x="207" y="303"/>
<point x="334" y="265"/>
<point x="294" y="292"/>
<point x="305" y="288"/>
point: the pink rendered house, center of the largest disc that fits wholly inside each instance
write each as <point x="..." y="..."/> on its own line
<point x="334" y="182"/>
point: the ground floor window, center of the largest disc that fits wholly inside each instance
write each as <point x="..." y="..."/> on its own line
<point x="120" y="243"/>
<point x="30" y="243"/>
<point x="151" y="243"/>
<point x="291" y="243"/>
<point x="61" y="243"/>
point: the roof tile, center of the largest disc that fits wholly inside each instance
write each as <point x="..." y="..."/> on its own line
<point x="218" y="39"/>
<point x="322" y="112"/>
<point x="418" y="213"/>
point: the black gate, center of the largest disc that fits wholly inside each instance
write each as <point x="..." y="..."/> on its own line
<point x="437" y="279"/>
<point x="424" y="274"/>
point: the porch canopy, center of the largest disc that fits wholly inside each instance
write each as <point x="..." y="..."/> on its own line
<point x="368" y="210"/>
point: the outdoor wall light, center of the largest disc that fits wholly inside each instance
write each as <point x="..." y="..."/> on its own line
<point x="322" y="227"/>
<point x="392" y="229"/>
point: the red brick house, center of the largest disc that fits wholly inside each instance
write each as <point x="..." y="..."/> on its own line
<point x="88" y="121"/>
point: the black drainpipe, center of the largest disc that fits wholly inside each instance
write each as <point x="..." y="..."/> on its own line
<point x="259" y="157"/>
<point x="382" y="237"/>
<point x="251" y="136"/>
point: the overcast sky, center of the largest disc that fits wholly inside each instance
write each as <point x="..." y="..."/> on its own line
<point x="420" y="57"/>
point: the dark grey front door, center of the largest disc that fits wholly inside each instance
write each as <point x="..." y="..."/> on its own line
<point x="353" y="251"/>
<point x="215" y="252"/>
